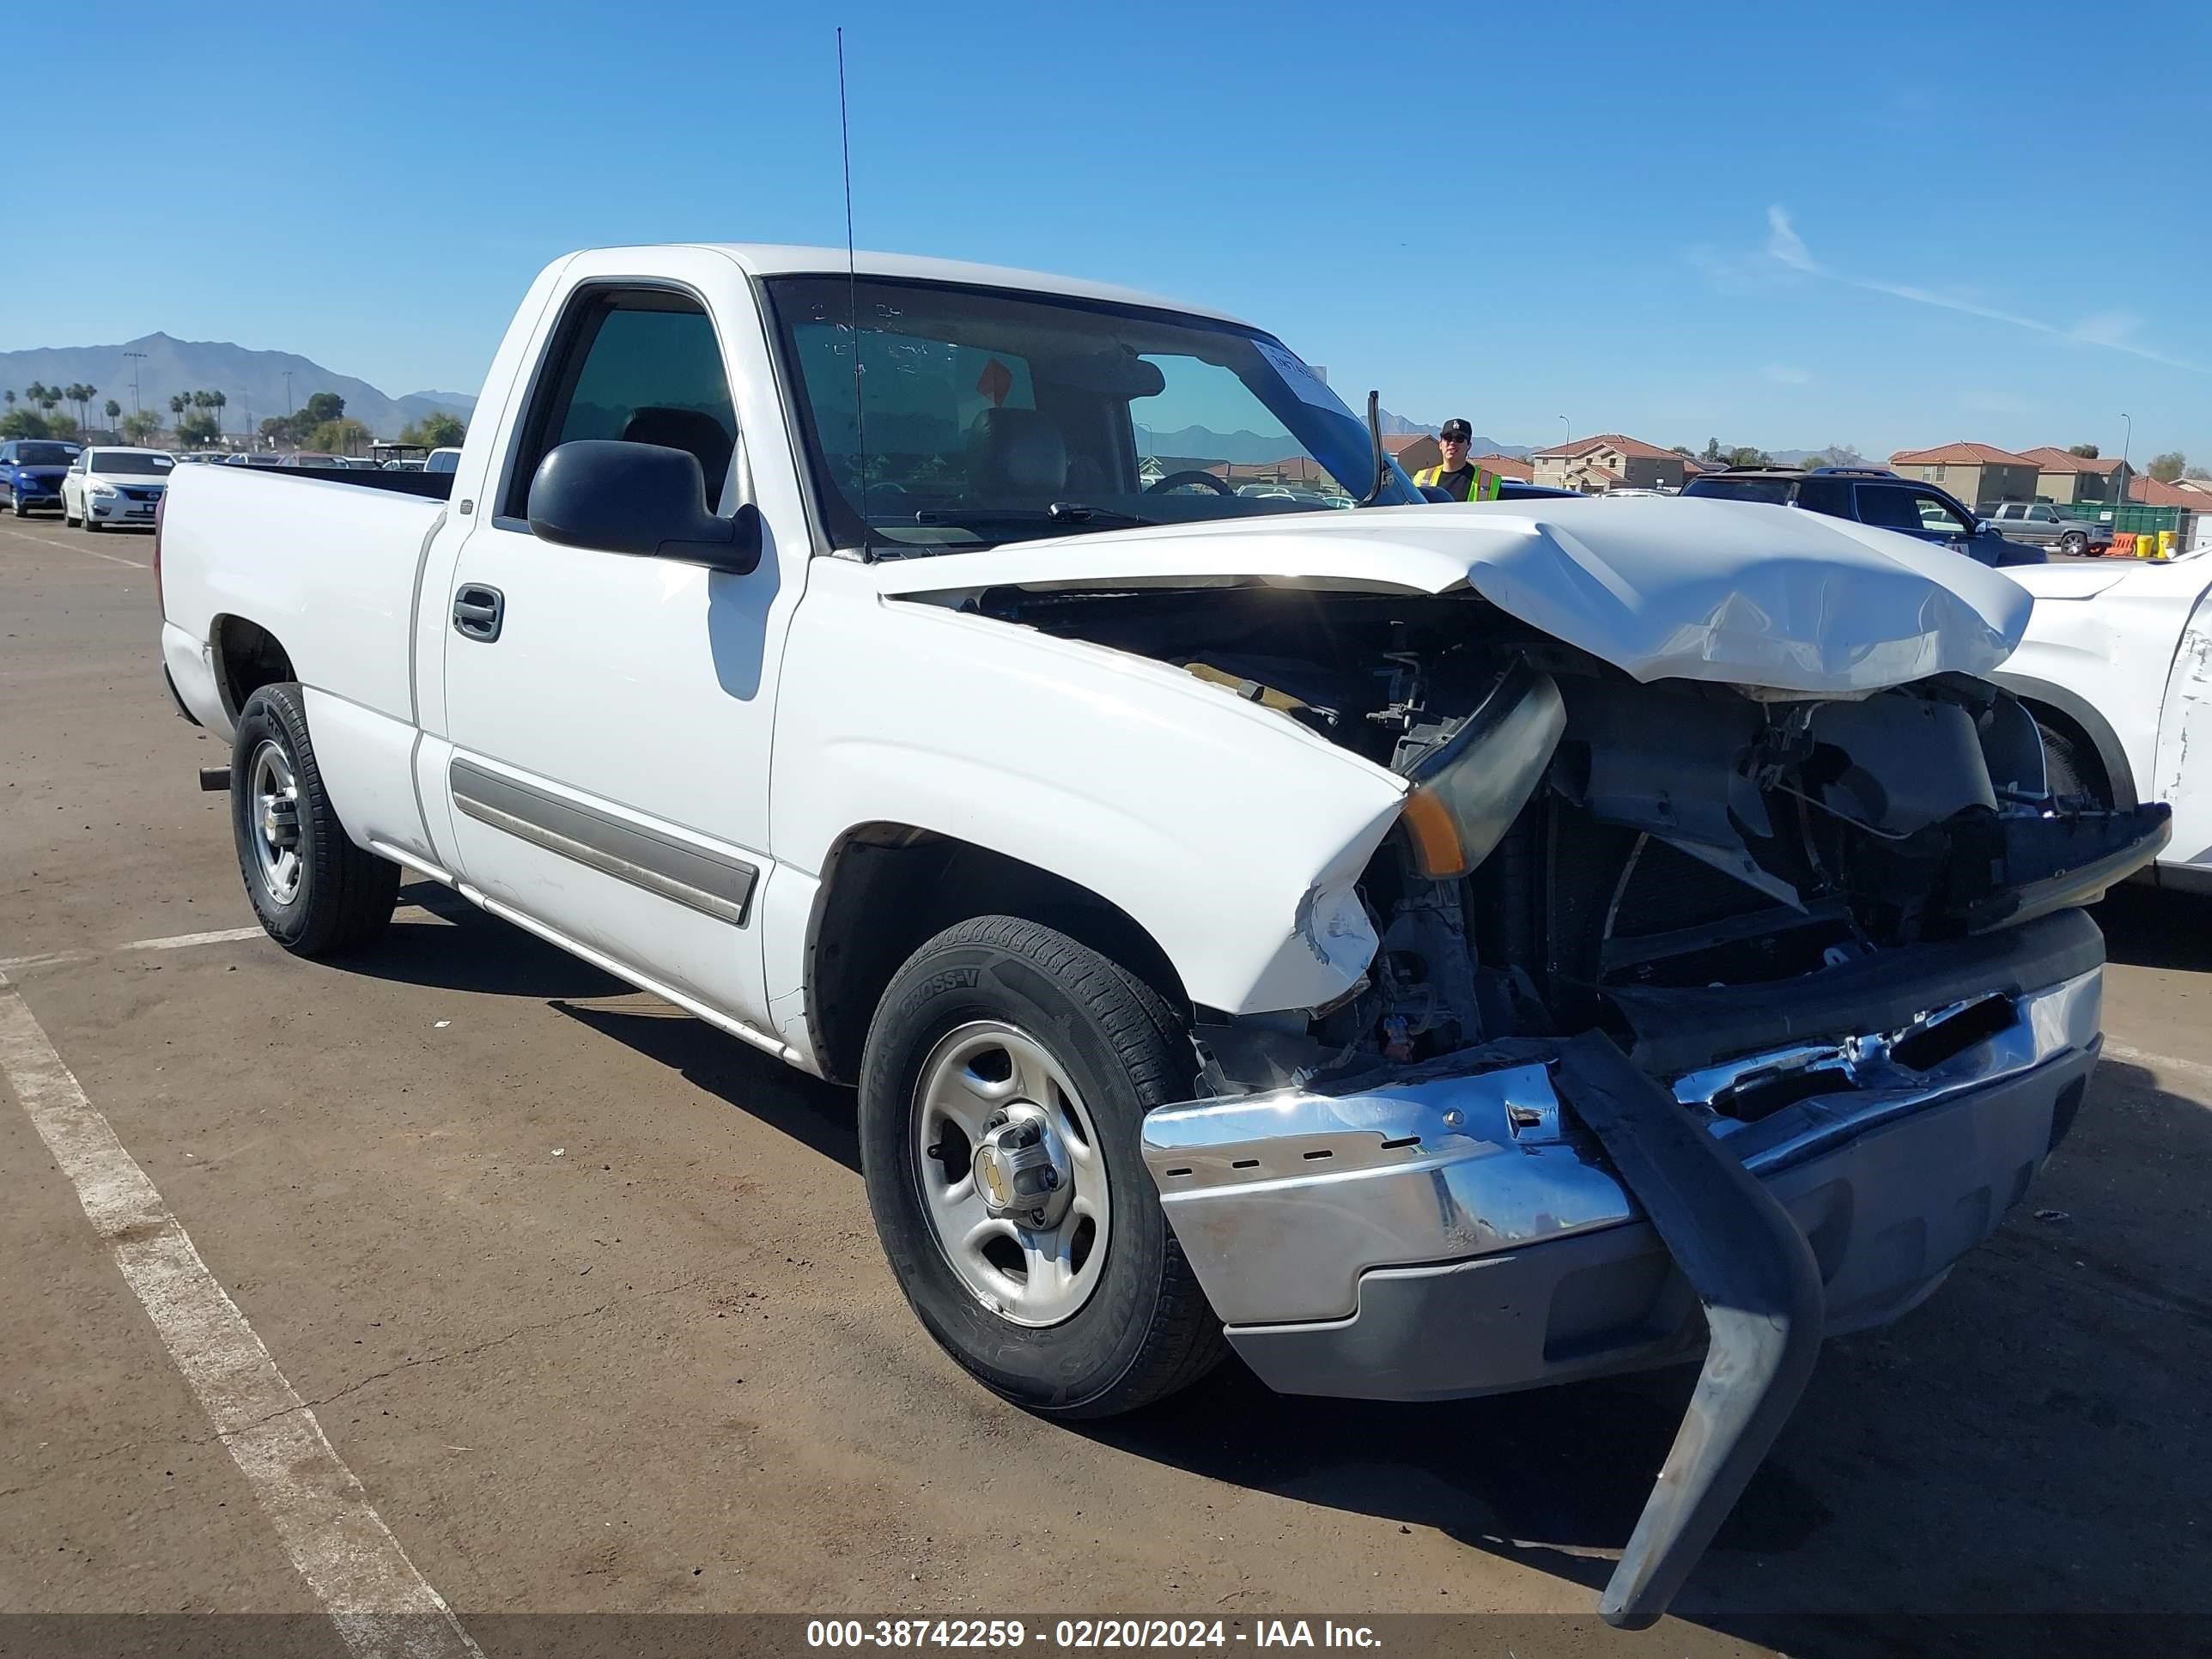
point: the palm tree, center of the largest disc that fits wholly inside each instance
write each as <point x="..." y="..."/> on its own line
<point x="114" y="410"/>
<point x="217" y="402"/>
<point x="11" y="402"/>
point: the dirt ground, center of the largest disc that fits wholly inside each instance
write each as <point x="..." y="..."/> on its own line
<point x="586" y="1296"/>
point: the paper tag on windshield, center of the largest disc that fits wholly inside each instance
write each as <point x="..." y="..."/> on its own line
<point x="1309" y="386"/>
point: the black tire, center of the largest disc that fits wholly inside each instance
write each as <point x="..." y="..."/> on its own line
<point x="67" y="521"/>
<point x="2074" y="543"/>
<point x="345" y="894"/>
<point x="91" y="526"/>
<point x="1145" y="1330"/>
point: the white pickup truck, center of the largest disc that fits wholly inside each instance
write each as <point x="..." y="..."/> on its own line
<point x="1433" y="950"/>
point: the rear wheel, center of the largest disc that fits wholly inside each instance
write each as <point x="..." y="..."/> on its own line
<point x="2074" y="542"/>
<point x="1002" y="1092"/>
<point x="315" y="892"/>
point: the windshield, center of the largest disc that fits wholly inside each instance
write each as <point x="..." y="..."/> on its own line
<point x="45" y="454"/>
<point x="990" y="415"/>
<point x="131" y="463"/>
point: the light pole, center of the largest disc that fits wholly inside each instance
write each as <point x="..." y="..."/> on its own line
<point x="1569" y="438"/>
<point x="287" y="390"/>
<point x="136" y="356"/>
<point x="2126" y="443"/>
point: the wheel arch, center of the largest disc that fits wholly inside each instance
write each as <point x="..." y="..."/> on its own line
<point x="2069" y="710"/>
<point x="246" y="657"/>
<point x="887" y="887"/>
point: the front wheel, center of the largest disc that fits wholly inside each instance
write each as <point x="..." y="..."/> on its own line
<point x="1003" y="1093"/>
<point x="69" y="519"/>
<point x="315" y="892"/>
<point x="2074" y="543"/>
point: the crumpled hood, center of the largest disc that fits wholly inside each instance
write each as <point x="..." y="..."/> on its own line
<point x="1663" y="588"/>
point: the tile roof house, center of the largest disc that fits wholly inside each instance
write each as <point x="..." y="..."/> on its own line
<point x="2064" y="478"/>
<point x="1980" y="475"/>
<point x="2191" y="497"/>
<point x="1609" y="461"/>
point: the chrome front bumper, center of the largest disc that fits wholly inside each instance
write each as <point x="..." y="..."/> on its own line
<point x="1468" y="1188"/>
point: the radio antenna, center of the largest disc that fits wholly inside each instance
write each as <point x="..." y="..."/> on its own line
<point x="852" y="300"/>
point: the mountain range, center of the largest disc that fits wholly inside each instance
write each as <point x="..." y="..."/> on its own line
<point x="1203" y="443"/>
<point x="252" y="380"/>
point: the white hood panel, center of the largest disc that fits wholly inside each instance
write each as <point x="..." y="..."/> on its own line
<point x="1664" y="588"/>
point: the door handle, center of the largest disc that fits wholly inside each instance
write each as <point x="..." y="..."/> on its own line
<point x="478" y="611"/>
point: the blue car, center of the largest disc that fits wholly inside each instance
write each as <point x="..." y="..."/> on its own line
<point x="31" y="471"/>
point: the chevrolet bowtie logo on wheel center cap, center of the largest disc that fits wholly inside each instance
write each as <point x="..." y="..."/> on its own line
<point x="1021" y="1168"/>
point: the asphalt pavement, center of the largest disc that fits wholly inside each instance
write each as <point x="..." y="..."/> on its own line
<point x="581" y="1300"/>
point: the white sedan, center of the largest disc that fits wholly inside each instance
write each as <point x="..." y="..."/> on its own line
<point x="2117" y="667"/>
<point x="106" y="487"/>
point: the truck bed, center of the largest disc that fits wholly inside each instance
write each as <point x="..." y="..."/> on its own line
<point x="326" y="559"/>
<point x="435" y="486"/>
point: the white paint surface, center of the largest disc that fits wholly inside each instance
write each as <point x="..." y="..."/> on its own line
<point x="381" y="1604"/>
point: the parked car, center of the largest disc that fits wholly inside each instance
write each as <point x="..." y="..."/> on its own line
<point x="2041" y="524"/>
<point x="1378" y="942"/>
<point x="108" y="486"/>
<point x="2117" y="666"/>
<point x="441" y="460"/>
<point x="31" y="473"/>
<point x="1869" y="495"/>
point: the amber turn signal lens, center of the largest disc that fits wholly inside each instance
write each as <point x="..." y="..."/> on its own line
<point x="1434" y="835"/>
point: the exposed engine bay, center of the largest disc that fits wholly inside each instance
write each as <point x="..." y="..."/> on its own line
<point x="1578" y="848"/>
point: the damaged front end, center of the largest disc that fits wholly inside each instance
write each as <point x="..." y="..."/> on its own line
<point x="1697" y="1007"/>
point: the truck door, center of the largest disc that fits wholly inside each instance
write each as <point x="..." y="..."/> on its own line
<point x="611" y="714"/>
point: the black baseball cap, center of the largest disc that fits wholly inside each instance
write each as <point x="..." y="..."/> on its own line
<point x="1457" y="429"/>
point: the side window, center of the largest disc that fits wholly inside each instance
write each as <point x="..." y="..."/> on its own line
<point x="1888" y="506"/>
<point x="1830" y="496"/>
<point x="1938" y="517"/>
<point x="639" y="366"/>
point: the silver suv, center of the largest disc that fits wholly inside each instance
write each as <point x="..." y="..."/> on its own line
<point x="2043" y="525"/>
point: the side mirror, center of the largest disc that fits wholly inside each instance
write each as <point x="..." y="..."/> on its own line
<point x="1984" y="527"/>
<point x="641" y="499"/>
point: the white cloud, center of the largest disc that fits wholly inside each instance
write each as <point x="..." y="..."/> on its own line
<point x="1787" y="374"/>
<point x="2108" y="329"/>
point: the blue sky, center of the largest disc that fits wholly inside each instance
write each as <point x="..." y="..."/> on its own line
<point x="1888" y="227"/>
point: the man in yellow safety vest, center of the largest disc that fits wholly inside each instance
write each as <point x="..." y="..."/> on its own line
<point x="1455" y="475"/>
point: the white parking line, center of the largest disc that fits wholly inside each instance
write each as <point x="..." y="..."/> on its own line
<point x="2195" y="1070"/>
<point x="381" y="1604"/>
<point x="183" y="941"/>
<point x="174" y="942"/>
<point x="70" y="547"/>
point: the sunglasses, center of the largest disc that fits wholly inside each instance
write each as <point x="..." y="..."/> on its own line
<point x="1449" y="439"/>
